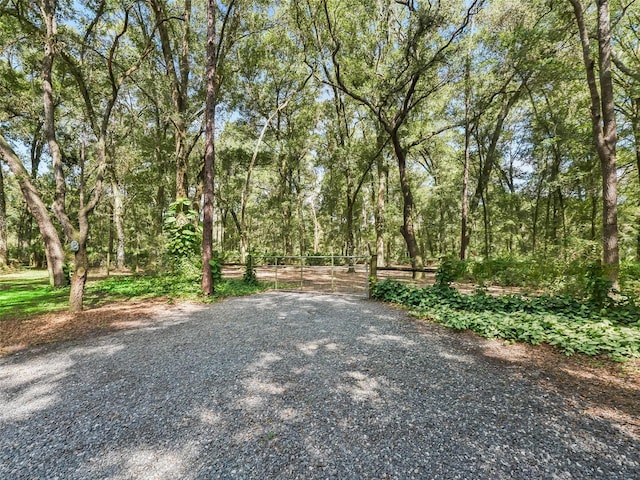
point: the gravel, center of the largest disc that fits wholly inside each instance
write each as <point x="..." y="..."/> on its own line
<point x="283" y="385"/>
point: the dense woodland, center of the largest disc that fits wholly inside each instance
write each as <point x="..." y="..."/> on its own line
<point x="415" y="130"/>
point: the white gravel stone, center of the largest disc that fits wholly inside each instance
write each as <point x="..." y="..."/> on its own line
<point x="283" y="385"/>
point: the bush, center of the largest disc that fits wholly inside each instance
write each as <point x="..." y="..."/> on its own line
<point x="630" y="278"/>
<point x="450" y="270"/>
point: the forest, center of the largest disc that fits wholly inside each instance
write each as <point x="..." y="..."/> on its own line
<point x="157" y="134"/>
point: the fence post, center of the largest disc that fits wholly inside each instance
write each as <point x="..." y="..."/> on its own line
<point x="333" y="287"/>
<point x="276" y="273"/>
<point x="301" y="273"/>
<point x="373" y="273"/>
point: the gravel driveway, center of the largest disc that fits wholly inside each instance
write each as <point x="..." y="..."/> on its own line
<point x="284" y="385"/>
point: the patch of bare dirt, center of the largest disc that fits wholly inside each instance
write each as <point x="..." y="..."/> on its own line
<point x="18" y="335"/>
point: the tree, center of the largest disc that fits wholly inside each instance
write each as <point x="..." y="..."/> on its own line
<point x="50" y="237"/>
<point x="4" y="259"/>
<point x="177" y="55"/>
<point x="218" y="45"/>
<point x="603" y="121"/>
<point x="392" y="73"/>
<point x="627" y="77"/>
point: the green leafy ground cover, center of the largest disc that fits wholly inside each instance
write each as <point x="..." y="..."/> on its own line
<point x="26" y="294"/>
<point x="571" y="325"/>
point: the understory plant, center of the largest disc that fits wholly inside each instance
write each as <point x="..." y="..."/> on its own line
<point x="574" y="326"/>
<point x="183" y="238"/>
<point x="250" y="276"/>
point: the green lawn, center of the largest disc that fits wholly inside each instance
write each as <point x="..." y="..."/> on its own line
<point x="27" y="293"/>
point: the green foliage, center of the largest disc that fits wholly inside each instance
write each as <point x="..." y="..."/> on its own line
<point x="170" y="286"/>
<point x="598" y="286"/>
<point x="449" y="271"/>
<point x="505" y="271"/>
<point x="313" y="260"/>
<point x="216" y="267"/>
<point x="563" y="321"/>
<point x="578" y="277"/>
<point x="249" y="276"/>
<point x="150" y="286"/>
<point x="630" y="278"/>
<point x="181" y="230"/>
<point x="67" y="269"/>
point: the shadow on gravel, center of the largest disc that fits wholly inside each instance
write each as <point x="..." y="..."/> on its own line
<point x="291" y="386"/>
<point x="595" y="390"/>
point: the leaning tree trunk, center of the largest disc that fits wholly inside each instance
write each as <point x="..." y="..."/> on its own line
<point x="52" y="244"/>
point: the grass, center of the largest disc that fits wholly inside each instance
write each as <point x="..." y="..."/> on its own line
<point x="27" y="293"/>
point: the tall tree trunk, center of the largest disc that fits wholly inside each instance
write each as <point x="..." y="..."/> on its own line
<point x="118" y="220"/>
<point x="407" y="209"/>
<point x="636" y="142"/>
<point x="209" y="154"/>
<point x="4" y="257"/>
<point x="604" y="127"/>
<point x="464" y="228"/>
<point x="349" y="224"/>
<point x="536" y="214"/>
<point x="464" y="217"/>
<point x="52" y="244"/>
<point x="383" y="174"/>
<point x="77" y="238"/>
<point x="317" y="228"/>
<point x="179" y="84"/>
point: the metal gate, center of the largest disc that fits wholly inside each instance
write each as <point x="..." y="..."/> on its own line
<point x="327" y="274"/>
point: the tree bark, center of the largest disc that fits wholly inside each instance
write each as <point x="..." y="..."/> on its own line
<point x="464" y="228"/>
<point x="383" y="173"/>
<point x="636" y="141"/>
<point x="407" y="210"/>
<point x="118" y="221"/>
<point x="80" y="235"/>
<point x="52" y="244"/>
<point x="603" y="127"/>
<point x="4" y="257"/>
<point x="209" y="154"/>
<point x="179" y="84"/>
